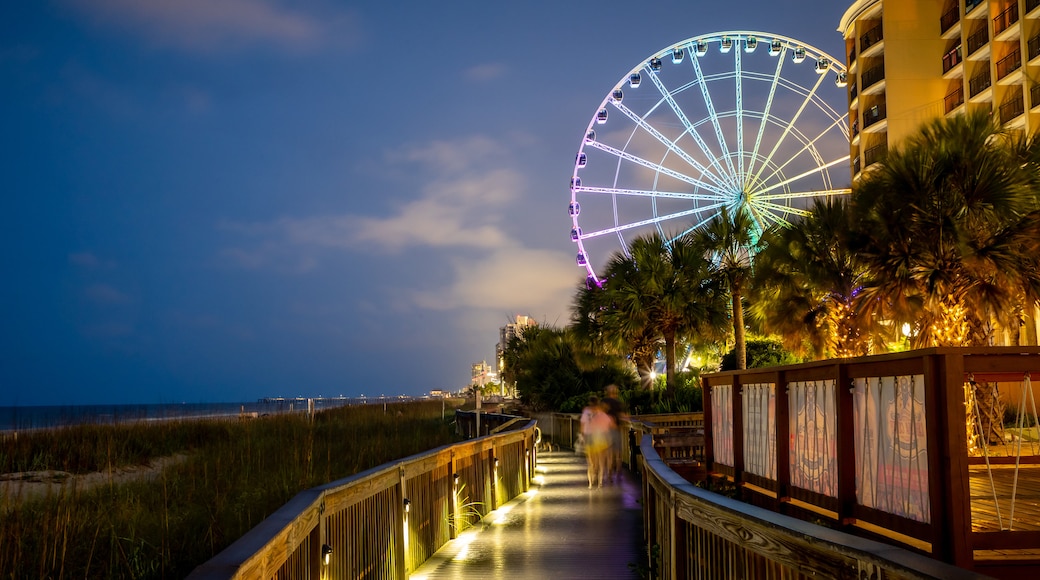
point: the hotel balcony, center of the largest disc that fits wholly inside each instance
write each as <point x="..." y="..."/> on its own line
<point x="872" y="116"/>
<point x="1008" y="65"/>
<point x="875" y="153"/>
<point x="872" y="80"/>
<point x="1034" y="96"/>
<point x="949" y="22"/>
<point x="978" y="44"/>
<point x="870" y="41"/>
<point x="1033" y="48"/>
<point x="950" y="60"/>
<point x="978" y="86"/>
<point x="1031" y="5"/>
<point x="954" y="100"/>
<point x="1012" y="109"/>
<point x="1003" y="28"/>
<point x="971" y="5"/>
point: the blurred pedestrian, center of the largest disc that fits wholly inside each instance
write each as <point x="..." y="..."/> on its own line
<point x="616" y="410"/>
<point x="596" y="426"/>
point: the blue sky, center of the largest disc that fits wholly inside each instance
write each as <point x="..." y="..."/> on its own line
<point x="219" y="200"/>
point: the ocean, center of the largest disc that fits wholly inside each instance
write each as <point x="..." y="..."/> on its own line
<point x="48" y="416"/>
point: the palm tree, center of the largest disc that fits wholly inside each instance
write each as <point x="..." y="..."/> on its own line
<point x="662" y="289"/>
<point x="601" y="335"/>
<point x="729" y="241"/>
<point x="949" y="232"/>
<point x="951" y="237"/>
<point x="806" y="279"/>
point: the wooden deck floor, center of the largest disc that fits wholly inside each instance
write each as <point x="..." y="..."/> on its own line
<point x="985" y="516"/>
<point x="561" y="530"/>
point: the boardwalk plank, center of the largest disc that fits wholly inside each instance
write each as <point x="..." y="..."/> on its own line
<point x="562" y="531"/>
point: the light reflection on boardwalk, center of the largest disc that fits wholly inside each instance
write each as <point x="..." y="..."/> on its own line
<point x="560" y="530"/>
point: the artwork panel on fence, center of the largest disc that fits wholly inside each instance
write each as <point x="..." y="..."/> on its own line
<point x="760" y="429"/>
<point x="892" y="445"/>
<point x="722" y="423"/>
<point x="814" y="438"/>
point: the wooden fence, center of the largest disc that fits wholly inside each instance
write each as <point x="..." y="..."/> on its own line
<point x="694" y="533"/>
<point x="385" y="522"/>
<point x="888" y="446"/>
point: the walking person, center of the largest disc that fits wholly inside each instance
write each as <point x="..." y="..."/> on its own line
<point x="596" y="426"/>
<point x="616" y="410"/>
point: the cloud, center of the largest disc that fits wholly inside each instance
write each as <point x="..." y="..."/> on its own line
<point x="460" y="206"/>
<point x="105" y="294"/>
<point x="89" y="261"/>
<point x="508" y="279"/>
<point x="485" y="72"/>
<point x="212" y="25"/>
<point x="464" y="220"/>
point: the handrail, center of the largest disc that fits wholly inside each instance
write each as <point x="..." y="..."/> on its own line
<point x="699" y="533"/>
<point x="387" y="521"/>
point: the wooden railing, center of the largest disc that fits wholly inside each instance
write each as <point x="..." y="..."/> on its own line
<point x="694" y="533"/>
<point x="674" y="434"/>
<point x="879" y="446"/>
<point x="387" y="521"/>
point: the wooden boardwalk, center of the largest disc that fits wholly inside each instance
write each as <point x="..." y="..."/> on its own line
<point x="559" y="530"/>
<point x="986" y="516"/>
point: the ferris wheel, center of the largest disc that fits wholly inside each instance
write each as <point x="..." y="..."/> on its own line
<point x="736" y="120"/>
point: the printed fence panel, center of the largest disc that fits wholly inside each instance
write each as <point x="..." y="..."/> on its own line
<point x="814" y="436"/>
<point x="722" y="423"/>
<point x="760" y="429"/>
<point x="891" y="445"/>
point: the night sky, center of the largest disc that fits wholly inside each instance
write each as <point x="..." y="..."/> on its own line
<point x="220" y="200"/>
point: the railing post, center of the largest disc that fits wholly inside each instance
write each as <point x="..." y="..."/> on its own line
<point x="846" y="445"/>
<point x="709" y="440"/>
<point x="738" y="434"/>
<point x="948" y="490"/>
<point x="783" y="442"/>
<point x="453" y="505"/>
<point x="673" y="518"/>
<point x="401" y="533"/>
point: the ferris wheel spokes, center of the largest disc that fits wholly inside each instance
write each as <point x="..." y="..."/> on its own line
<point x="765" y="114"/>
<point x="647" y="193"/>
<point x="810" y="146"/>
<point x="787" y="130"/>
<point x="738" y="78"/>
<point x="710" y="104"/>
<point x="790" y="180"/>
<point x="670" y="99"/>
<point x="656" y="220"/>
<point x="655" y="166"/>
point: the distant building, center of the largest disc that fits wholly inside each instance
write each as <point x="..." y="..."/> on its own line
<point x="479" y="373"/>
<point x="505" y="334"/>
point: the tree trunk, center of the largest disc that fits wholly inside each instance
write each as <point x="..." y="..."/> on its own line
<point x="738" y="329"/>
<point x="669" y="362"/>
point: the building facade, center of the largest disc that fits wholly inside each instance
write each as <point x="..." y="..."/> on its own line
<point x="910" y="61"/>
<point x="505" y="334"/>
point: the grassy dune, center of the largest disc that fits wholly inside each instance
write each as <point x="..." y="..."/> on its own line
<point x="227" y="477"/>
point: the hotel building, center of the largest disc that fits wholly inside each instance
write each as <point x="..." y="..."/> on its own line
<point x="910" y="61"/>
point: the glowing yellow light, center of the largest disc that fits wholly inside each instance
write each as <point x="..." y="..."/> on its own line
<point x="463" y="542"/>
<point x="499" y="515"/>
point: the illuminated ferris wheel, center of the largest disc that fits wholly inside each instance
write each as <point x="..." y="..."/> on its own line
<point x="738" y="120"/>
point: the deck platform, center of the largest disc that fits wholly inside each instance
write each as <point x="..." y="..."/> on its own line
<point x="559" y="530"/>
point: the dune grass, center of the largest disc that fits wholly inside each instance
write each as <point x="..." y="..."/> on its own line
<point x="233" y="474"/>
